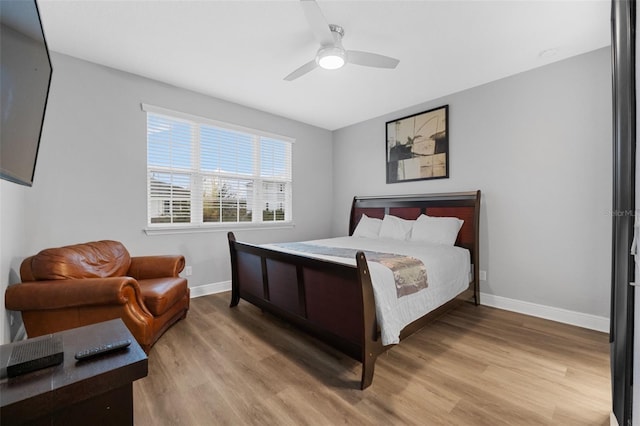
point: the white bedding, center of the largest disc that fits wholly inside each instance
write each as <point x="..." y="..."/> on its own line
<point x="447" y="267"/>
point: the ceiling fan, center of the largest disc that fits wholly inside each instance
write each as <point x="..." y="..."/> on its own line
<point x="331" y="54"/>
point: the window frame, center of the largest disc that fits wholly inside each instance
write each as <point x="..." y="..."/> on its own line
<point x="197" y="202"/>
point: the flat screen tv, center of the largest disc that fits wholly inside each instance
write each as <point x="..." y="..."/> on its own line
<point x="25" y="76"/>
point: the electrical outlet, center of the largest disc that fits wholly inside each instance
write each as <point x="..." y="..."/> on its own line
<point x="188" y="271"/>
<point x="483" y="275"/>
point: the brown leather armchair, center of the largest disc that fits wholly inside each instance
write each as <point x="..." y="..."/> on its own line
<point x="82" y="284"/>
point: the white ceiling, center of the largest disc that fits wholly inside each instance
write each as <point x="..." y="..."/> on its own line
<point x="240" y="50"/>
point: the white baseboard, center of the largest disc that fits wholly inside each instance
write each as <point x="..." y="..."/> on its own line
<point x="579" y="319"/>
<point x="213" y="288"/>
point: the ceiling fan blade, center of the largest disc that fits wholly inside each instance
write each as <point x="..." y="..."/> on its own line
<point x="368" y="59"/>
<point x="309" y="66"/>
<point x="317" y="22"/>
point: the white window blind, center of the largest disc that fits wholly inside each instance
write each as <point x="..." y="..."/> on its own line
<point x="203" y="172"/>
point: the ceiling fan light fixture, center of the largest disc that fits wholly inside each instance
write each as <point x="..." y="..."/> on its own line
<point x="331" y="58"/>
<point x="331" y="55"/>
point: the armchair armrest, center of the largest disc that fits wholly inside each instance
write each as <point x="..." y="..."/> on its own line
<point x="148" y="267"/>
<point x="60" y="294"/>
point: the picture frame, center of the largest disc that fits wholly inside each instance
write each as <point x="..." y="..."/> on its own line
<point x="418" y="146"/>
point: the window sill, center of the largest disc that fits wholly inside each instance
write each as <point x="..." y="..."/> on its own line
<point x="195" y="229"/>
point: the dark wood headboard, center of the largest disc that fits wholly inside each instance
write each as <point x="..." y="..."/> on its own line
<point x="463" y="205"/>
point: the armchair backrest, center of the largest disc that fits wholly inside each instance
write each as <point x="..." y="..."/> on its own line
<point x="98" y="259"/>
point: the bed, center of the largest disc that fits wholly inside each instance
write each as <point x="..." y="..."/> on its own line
<point x="329" y="288"/>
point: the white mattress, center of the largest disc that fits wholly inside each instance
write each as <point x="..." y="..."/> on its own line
<point x="448" y="269"/>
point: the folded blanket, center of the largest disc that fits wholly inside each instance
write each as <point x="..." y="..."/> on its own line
<point x="409" y="273"/>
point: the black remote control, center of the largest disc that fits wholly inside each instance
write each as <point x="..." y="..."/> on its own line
<point x="102" y="349"/>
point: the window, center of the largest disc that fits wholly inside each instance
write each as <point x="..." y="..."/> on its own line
<point x="203" y="172"/>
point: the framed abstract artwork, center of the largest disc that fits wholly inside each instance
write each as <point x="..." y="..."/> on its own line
<point x="418" y="146"/>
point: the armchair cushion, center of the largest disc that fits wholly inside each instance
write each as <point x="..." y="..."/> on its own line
<point x="160" y="294"/>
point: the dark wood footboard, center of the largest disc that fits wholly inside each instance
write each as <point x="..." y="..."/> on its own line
<point x="334" y="301"/>
<point x="330" y="300"/>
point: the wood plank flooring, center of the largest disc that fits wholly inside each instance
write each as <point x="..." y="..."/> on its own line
<point x="473" y="366"/>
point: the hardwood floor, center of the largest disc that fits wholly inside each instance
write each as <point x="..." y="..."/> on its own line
<point x="474" y="366"/>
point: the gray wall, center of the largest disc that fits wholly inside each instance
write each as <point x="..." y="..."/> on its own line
<point x="90" y="180"/>
<point x="538" y="145"/>
<point x="13" y="241"/>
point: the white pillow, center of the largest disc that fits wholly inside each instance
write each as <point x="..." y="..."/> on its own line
<point x="436" y="230"/>
<point x="368" y="227"/>
<point x="395" y="228"/>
